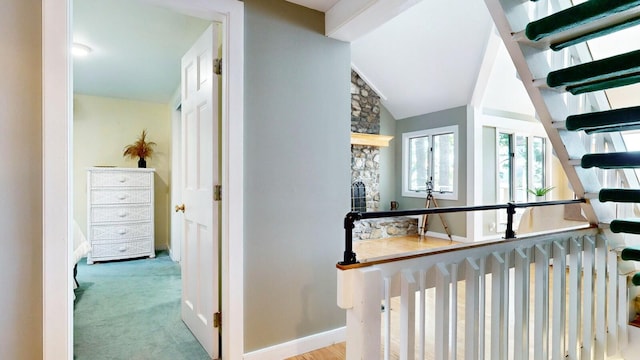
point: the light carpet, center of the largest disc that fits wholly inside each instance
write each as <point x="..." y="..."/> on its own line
<point x="131" y="310"/>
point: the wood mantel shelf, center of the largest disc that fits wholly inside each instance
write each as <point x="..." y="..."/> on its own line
<point x="370" y="139"/>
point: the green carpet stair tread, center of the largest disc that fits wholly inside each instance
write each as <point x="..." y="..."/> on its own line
<point x="635" y="279"/>
<point x="604" y="85"/>
<point x="630" y="254"/>
<point x="619" y="70"/>
<point x="619" y="195"/>
<point x="557" y="46"/>
<point x="575" y="16"/>
<point x="605" y="121"/>
<point x="625" y="226"/>
<point x="616" y="160"/>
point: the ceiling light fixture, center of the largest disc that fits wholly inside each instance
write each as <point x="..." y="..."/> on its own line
<point x="80" y="50"/>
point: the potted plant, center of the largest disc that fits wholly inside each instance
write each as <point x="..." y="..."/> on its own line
<point x="140" y="149"/>
<point x="540" y="193"/>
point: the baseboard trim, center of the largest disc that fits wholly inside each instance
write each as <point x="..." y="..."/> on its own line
<point x="445" y="236"/>
<point x="299" y="346"/>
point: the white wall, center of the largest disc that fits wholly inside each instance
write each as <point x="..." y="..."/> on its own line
<point x="102" y="128"/>
<point x="21" y="180"/>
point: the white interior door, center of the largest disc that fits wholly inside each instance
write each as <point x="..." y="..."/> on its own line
<point x="199" y="176"/>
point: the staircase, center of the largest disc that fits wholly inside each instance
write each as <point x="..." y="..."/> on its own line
<point x="546" y="40"/>
<point x="565" y="85"/>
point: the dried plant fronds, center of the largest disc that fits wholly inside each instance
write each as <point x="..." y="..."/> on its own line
<point x="141" y="148"/>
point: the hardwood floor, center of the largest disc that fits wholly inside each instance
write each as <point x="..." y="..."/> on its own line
<point x="333" y="352"/>
<point x="369" y="249"/>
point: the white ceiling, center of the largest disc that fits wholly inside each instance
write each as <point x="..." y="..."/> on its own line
<point x="426" y="59"/>
<point x="421" y="61"/>
<point x="320" y="5"/>
<point x="136" y="49"/>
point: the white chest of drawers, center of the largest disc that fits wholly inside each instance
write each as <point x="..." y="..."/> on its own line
<point x="119" y="213"/>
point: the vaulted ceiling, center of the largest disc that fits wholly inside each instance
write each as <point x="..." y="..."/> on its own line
<point x="421" y="56"/>
<point x="408" y="60"/>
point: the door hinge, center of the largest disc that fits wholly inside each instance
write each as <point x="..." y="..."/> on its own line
<point x="217" y="66"/>
<point x="217" y="193"/>
<point x="217" y="320"/>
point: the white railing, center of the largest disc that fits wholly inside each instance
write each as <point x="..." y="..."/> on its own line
<point x="552" y="296"/>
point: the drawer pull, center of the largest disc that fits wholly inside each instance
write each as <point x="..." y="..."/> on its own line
<point x="122" y="196"/>
<point x="122" y="249"/>
<point x="122" y="179"/>
<point x="122" y="214"/>
<point x="122" y="231"/>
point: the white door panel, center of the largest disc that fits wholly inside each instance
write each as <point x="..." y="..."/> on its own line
<point x="199" y="176"/>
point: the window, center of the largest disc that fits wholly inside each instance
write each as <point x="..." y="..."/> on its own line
<point x="521" y="166"/>
<point x="430" y="156"/>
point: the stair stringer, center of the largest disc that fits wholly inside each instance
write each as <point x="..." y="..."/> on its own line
<point x="531" y="64"/>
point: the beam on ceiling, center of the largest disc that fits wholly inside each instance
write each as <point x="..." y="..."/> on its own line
<point x="349" y="20"/>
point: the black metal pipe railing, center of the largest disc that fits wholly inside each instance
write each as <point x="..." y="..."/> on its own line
<point x="353" y="216"/>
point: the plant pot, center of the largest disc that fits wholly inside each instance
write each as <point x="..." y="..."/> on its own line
<point x="142" y="163"/>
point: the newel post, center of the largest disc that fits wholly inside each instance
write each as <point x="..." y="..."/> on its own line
<point x="360" y="294"/>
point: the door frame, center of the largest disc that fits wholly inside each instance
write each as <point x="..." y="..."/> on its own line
<point x="57" y="187"/>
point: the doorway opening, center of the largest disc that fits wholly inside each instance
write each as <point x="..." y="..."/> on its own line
<point x="58" y="175"/>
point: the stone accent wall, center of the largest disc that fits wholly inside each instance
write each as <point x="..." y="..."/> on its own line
<point x="365" y="165"/>
<point x="365" y="160"/>
<point x="365" y="107"/>
<point x="384" y="228"/>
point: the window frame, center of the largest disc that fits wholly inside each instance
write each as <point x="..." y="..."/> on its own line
<point x="406" y="137"/>
<point x="547" y="160"/>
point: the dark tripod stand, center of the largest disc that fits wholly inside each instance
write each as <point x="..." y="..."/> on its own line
<point x="425" y="217"/>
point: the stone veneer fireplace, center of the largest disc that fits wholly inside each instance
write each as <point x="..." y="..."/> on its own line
<point x="365" y="168"/>
<point x="365" y="160"/>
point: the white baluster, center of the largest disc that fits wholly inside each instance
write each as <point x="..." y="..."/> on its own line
<point x="521" y="301"/>
<point x="612" y="301"/>
<point x="423" y="315"/>
<point x="443" y="281"/>
<point x="623" y="311"/>
<point x="471" y="309"/>
<point x="387" y="318"/>
<point x="407" y="315"/>
<point x="541" y="318"/>
<point x="601" y="298"/>
<point x="588" y="291"/>
<point x="482" y="306"/>
<point x="559" y="301"/>
<point x="575" y="298"/>
<point x="454" y="312"/>
<point x="498" y="330"/>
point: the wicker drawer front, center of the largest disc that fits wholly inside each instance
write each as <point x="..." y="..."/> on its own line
<point x="120" y="232"/>
<point x="129" y="196"/>
<point x="121" y="179"/>
<point x="118" y="250"/>
<point x="121" y="213"/>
